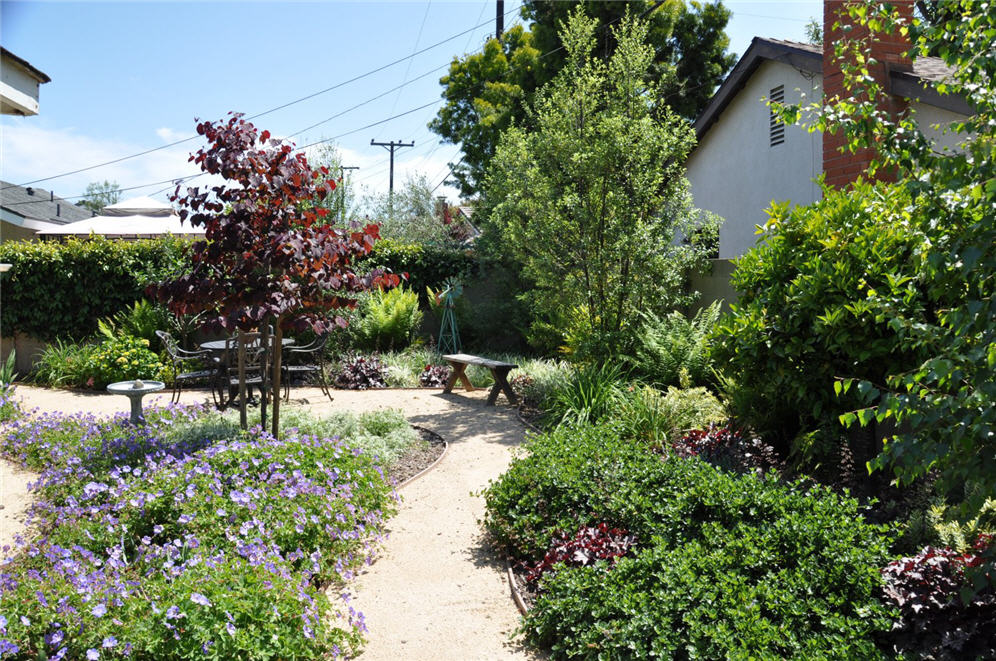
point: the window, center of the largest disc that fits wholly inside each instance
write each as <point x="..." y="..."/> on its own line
<point x="776" y="127"/>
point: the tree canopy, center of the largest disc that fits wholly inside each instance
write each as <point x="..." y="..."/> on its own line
<point x="489" y="91"/>
<point x="100" y="194"/>
<point x="589" y="200"/>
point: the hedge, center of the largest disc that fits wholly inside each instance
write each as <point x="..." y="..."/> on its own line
<point x="426" y="265"/>
<point x="60" y="290"/>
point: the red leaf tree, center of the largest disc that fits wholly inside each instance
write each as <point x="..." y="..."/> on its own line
<point x="268" y="257"/>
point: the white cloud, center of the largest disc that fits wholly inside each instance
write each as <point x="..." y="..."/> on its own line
<point x="168" y="135"/>
<point x="29" y="152"/>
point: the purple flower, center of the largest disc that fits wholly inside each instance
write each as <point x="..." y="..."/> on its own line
<point x="3" y="623"/>
<point x="100" y="610"/>
<point x="92" y="654"/>
<point x="230" y="628"/>
<point x="172" y="613"/>
<point x="25" y="621"/>
<point x="199" y="599"/>
<point x="110" y="641"/>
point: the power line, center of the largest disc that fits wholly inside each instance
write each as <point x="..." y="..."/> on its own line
<point x="301" y="148"/>
<point x="261" y="114"/>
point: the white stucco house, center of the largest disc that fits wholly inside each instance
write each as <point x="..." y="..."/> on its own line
<point x="745" y="159"/>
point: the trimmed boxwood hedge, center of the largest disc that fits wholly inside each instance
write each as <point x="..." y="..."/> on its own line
<point x="724" y="566"/>
<point x="60" y="290"/>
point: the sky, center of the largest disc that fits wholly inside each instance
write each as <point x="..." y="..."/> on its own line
<point x="130" y="77"/>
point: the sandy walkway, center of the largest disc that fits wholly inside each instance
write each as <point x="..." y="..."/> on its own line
<point x="436" y="592"/>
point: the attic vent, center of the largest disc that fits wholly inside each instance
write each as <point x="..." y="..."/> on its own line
<point x="776" y="127"/>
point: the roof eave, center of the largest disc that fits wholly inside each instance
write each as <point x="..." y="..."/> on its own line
<point x="760" y="51"/>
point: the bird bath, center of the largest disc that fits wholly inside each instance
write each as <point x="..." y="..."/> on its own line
<point x="135" y="391"/>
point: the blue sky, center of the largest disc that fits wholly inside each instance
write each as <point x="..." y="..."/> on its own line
<point x="132" y="76"/>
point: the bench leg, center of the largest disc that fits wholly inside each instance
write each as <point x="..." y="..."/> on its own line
<point x="501" y="385"/>
<point x="458" y="373"/>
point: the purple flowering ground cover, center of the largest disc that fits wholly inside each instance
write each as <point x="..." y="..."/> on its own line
<point x="187" y="539"/>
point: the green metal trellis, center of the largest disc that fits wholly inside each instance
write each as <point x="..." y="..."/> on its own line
<point x="449" y="334"/>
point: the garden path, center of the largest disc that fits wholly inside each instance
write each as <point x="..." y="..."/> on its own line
<point x="437" y="591"/>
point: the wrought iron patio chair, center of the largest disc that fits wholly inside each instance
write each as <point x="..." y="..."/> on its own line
<point x="184" y="360"/>
<point x="254" y="366"/>
<point x="313" y="354"/>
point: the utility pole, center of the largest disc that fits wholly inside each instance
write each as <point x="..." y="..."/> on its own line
<point x="391" y="146"/>
<point x="499" y="19"/>
<point x="342" y="195"/>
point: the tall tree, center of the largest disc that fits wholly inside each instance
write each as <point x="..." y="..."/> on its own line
<point x="98" y="195"/>
<point x="267" y="257"/>
<point x="591" y="198"/>
<point x="487" y="92"/>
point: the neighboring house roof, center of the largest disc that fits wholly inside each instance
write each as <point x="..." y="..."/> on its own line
<point x="37" y="73"/>
<point x="28" y="206"/>
<point x="135" y="217"/>
<point x="809" y="58"/>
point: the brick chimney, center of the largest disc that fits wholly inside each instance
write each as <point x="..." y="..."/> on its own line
<point x="890" y="54"/>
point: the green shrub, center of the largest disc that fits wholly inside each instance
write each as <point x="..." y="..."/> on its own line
<point x="65" y="364"/>
<point x="141" y="320"/>
<point x="653" y="417"/>
<point x="388" y="320"/>
<point x="803" y="318"/>
<point x="589" y="395"/>
<point x="60" y="290"/>
<point x="726" y="566"/>
<point x="122" y="359"/>
<point x="666" y="345"/>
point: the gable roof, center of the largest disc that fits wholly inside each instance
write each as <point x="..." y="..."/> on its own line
<point x="809" y="58"/>
<point x="37" y="204"/>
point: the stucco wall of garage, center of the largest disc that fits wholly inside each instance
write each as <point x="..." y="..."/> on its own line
<point x="735" y="172"/>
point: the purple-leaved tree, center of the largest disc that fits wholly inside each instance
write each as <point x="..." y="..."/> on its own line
<point x="268" y="257"/>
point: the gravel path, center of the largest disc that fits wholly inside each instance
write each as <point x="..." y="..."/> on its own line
<point x="437" y="592"/>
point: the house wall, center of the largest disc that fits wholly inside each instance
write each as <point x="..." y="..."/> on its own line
<point x="734" y="172"/>
<point x="11" y="232"/>
<point x="928" y="117"/>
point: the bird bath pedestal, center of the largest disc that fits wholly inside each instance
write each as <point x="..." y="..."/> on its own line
<point x="135" y="391"/>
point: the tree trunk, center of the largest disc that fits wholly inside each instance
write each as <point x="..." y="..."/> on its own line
<point x="278" y="336"/>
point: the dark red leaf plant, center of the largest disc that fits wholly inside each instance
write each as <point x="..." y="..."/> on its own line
<point x="268" y="257"/>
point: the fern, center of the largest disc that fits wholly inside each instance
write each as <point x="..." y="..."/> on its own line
<point x="389" y="320"/>
<point x="673" y="346"/>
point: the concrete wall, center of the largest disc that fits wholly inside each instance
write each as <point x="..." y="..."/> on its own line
<point x="714" y="286"/>
<point x="734" y="172"/>
<point x="28" y="349"/>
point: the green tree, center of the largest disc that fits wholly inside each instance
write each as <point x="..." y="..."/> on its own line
<point x="410" y="215"/>
<point x="489" y="91"/>
<point x="100" y="194"/>
<point x="342" y="203"/>
<point x="590" y="200"/>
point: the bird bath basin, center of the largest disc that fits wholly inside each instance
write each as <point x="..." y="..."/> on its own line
<point x="135" y="391"/>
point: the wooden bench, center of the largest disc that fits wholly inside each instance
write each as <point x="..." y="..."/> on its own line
<point x="499" y="370"/>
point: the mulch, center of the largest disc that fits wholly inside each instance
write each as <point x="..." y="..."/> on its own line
<point x="418" y="457"/>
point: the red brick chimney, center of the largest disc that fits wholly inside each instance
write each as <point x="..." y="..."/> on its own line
<point x="890" y="53"/>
